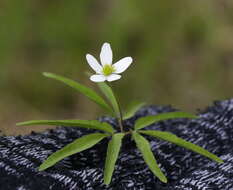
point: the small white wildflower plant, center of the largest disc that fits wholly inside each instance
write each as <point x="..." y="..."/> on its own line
<point x="106" y="71"/>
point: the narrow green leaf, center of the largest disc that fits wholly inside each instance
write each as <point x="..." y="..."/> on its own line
<point x="112" y="155"/>
<point x="90" y="124"/>
<point x="78" y="145"/>
<point x="91" y="94"/>
<point x="107" y="91"/>
<point x="144" y="147"/>
<point x="148" y="120"/>
<point x="181" y="142"/>
<point x="133" y="109"/>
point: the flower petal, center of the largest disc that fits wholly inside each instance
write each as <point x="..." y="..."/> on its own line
<point x="98" y="78"/>
<point x="106" y="54"/>
<point x="122" y="65"/>
<point x="94" y="63"/>
<point x="113" y="77"/>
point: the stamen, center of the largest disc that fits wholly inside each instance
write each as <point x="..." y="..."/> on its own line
<point x="108" y="70"/>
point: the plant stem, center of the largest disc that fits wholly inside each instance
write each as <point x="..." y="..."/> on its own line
<point x="120" y="119"/>
<point x="118" y="115"/>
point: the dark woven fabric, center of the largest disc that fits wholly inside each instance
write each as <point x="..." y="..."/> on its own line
<point x="20" y="157"/>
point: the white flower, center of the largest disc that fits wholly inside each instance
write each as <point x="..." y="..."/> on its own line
<point x="106" y="70"/>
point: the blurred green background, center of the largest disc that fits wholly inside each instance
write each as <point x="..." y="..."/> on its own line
<point x="182" y="50"/>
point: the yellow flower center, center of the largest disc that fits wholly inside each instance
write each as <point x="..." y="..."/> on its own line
<point x="108" y="70"/>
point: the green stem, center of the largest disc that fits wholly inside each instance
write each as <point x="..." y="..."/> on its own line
<point x="118" y="115"/>
<point x="120" y="119"/>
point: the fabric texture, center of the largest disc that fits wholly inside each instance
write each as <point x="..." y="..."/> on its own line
<point x="20" y="156"/>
